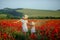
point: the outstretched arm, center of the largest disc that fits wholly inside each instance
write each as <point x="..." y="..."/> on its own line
<point x="17" y="21"/>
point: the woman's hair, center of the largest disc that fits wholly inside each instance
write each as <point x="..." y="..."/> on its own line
<point x="25" y="16"/>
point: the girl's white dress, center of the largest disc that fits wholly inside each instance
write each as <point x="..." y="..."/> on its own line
<point x="24" y="25"/>
<point x="33" y="29"/>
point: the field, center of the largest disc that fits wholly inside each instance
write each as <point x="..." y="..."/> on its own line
<point x="32" y="13"/>
<point x="40" y="13"/>
<point x="46" y="29"/>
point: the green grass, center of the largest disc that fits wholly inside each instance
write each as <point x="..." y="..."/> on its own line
<point x="41" y="13"/>
<point x="3" y="16"/>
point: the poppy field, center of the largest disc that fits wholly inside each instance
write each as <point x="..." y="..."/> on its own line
<point x="46" y="29"/>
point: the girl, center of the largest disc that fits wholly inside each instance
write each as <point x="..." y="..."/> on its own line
<point x="33" y="27"/>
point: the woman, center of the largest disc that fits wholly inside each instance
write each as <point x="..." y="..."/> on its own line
<point x="24" y="23"/>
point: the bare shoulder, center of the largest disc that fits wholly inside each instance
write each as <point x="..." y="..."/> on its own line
<point x="27" y="21"/>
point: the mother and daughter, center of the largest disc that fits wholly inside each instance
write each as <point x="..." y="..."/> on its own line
<point x="24" y="24"/>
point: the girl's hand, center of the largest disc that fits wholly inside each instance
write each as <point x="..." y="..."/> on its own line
<point x="33" y="23"/>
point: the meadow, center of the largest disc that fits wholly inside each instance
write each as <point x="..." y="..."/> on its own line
<point x="9" y="13"/>
<point x="46" y="29"/>
<point x="40" y="13"/>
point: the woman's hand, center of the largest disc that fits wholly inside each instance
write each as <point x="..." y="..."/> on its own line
<point x="14" y="22"/>
<point x="17" y="21"/>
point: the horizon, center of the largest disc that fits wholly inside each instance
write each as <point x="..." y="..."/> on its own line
<point x="31" y="4"/>
<point x="31" y="9"/>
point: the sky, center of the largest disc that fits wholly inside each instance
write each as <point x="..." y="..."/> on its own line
<point x="31" y="4"/>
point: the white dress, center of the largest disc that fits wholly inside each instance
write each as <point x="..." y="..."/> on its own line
<point x="33" y="29"/>
<point x="24" y="25"/>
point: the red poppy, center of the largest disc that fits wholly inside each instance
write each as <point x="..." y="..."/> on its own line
<point x="5" y="35"/>
<point x="33" y="36"/>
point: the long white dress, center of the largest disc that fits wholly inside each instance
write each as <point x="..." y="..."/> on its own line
<point x="24" y="25"/>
